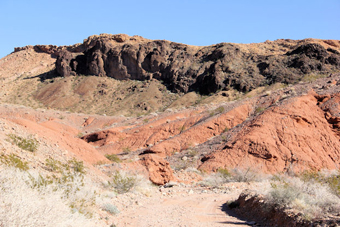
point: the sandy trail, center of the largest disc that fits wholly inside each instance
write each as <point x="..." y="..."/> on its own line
<point x="183" y="210"/>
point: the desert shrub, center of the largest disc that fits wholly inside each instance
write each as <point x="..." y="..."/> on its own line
<point x="183" y="164"/>
<point x="191" y="153"/>
<point x="220" y="109"/>
<point x="126" y="150"/>
<point x="311" y="198"/>
<point x="123" y="182"/>
<point x="77" y="166"/>
<point x="331" y="179"/>
<point x="112" y="209"/>
<point x="113" y="158"/>
<point x="259" y="110"/>
<point x="15" y="161"/>
<point x="224" y="173"/>
<point x="28" y="144"/>
<point x="53" y="165"/>
<point x="40" y="181"/>
<point x="223" y="176"/>
<point x="245" y="175"/>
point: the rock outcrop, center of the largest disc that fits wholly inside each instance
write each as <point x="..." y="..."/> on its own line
<point x="207" y="69"/>
<point x="299" y="134"/>
<point x="159" y="170"/>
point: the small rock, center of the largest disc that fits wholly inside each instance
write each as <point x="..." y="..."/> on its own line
<point x="170" y="184"/>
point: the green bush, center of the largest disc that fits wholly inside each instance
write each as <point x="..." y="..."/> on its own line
<point x="28" y="144"/>
<point x="123" y="183"/>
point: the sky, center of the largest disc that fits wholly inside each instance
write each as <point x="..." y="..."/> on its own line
<point x="194" y="22"/>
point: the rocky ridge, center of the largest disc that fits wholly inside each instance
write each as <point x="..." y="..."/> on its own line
<point x="185" y="68"/>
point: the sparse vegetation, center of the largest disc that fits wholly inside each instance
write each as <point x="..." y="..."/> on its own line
<point x="312" y="77"/>
<point x="112" y="209"/>
<point x="259" y="110"/>
<point x="182" y="128"/>
<point x="77" y="166"/>
<point x="224" y="173"/>
<point x="113" y="158"/>
<point x="226" y="129"/>
<point x="53" y="165"/>
<point x="36" y="206"/>
<point x="220" y="109"/>
<point x="28" y="144"/>
<point x="312" y="199"/>
<point x="123" y="182"/>
<point x="191" y="153"/>
<point x="234" y="175"/>
<point x="246" y="175"/>
<point x="126" y="150"/>
<point x="331" y="179"/>
<point x="15" y="161"/>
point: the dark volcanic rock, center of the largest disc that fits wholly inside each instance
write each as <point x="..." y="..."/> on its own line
<point x="63" y="64"/>
<point x="185" y="68"/>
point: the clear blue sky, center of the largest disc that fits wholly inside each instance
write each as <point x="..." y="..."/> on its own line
<point x="196" y="22"/>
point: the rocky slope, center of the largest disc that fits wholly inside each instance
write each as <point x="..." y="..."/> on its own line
<point x="265" y="109"/>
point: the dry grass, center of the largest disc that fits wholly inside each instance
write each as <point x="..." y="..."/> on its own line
<point x="22" y="204"/>
<point x="223" y="176"/>
<point x="310" y="198"/>
<point x="124" y="182"/>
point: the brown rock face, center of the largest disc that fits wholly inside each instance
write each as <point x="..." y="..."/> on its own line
<point x="159" y="170"/>
<point x="63" y="64"/>
<point x="187" y="68"/>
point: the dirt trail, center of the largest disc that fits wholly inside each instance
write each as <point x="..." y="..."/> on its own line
<point x="184" y="208"/>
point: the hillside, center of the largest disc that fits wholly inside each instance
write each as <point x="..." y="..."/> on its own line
<point x="159" y="108"/>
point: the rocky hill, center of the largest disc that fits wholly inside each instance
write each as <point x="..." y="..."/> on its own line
<point x="245" y="104"/>
<point x="168" y="111"/>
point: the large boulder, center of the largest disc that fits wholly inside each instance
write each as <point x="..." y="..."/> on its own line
<point x="159" y="170"/>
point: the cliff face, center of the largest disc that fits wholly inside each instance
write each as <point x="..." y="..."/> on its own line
<point x="185" y="68"/>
